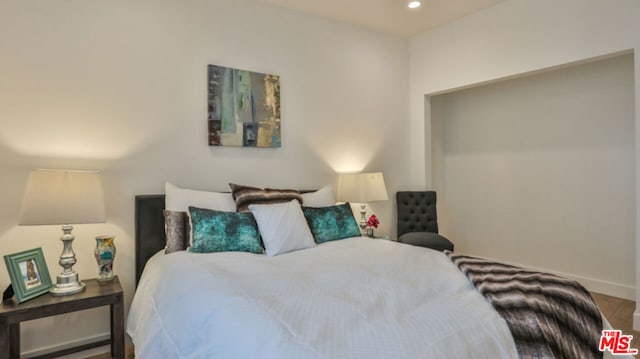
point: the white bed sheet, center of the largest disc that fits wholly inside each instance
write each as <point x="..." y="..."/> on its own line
<point x="352" y="298"/>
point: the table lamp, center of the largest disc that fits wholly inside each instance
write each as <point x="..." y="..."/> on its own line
<point x="362" y="188"/>
<point x="64" y="197"/>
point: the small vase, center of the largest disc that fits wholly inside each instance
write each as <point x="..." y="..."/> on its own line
<point x="105" y="253"/>
<point x="370" y="232"/>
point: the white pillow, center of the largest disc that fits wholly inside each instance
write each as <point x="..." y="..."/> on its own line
<point x="179" y="199"/>
<point x="324" y="197"/>
<point x="282" y="226"/>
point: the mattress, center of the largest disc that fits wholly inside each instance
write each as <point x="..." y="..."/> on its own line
<point x="352" y="298"/>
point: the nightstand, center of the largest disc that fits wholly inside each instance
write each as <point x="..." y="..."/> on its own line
<point x="96" y="294"/>
<point x="386" y="238"/>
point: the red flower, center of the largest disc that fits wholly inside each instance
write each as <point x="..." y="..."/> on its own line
<point x="373" y="221"/>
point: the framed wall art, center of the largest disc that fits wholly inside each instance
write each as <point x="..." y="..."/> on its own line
<point x="28" y="273"/>
<point x="243" y="108"/>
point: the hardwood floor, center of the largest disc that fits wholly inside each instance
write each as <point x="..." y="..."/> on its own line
<point x="128" y="354"/>
<point x="619" y="312"/>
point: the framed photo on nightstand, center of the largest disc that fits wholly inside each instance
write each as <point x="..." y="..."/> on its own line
<point x="29" y="274"/>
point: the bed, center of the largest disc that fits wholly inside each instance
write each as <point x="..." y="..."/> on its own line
<point x="356" y="297"/>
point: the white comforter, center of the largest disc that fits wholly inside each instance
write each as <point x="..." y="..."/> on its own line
<point x="352" y="298"/>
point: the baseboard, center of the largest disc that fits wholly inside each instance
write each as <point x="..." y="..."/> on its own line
<point x="44" y="350"/>
<point x="593" y="285"/>
<point x="603" y="287"/>
<point x="636" y="320"/>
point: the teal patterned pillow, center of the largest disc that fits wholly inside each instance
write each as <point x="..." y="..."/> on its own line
<point x="216" y="231"/>
<point x="331" y="223"/>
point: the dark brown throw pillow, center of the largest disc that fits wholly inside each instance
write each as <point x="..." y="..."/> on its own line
<point x="177" y="230"/>
<point x="245" y="195"/>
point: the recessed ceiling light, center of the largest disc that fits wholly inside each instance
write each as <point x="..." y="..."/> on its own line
<point x="414" y="4"/>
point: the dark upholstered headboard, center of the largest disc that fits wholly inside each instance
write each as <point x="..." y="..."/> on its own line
<point x="150" y="236"/>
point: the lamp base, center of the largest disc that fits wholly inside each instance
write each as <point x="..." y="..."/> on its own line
<point x="67" y="284"/>
<point x="67" y="281"/>
<point x="363" y="219"/>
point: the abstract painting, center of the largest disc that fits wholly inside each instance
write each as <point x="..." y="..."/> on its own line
<point x="244" y="108"/>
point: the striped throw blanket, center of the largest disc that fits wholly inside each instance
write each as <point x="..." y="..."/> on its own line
<point x="549" y="316"/>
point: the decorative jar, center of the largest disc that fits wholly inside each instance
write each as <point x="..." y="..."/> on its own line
<point x="105" y="253"/>
<point x="370" y="232"/>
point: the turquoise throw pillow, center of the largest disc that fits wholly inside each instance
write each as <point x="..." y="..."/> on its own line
<point x="331" y="223"/>
<point x="216" y="231"/>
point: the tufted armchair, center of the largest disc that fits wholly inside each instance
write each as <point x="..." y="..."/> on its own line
<point x="418" y="220"/>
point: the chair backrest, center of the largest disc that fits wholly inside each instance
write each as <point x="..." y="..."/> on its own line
<point x="416" y="212"/>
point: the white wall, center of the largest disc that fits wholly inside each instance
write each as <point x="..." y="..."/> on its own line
<point x="512" y="38"/>
<point x="539" y="170"/>
<point x="120" y="87"/>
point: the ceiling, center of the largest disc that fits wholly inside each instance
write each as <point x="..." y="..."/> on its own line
<point x="388" y="16"/>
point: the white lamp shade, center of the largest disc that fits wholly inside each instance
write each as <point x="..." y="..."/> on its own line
<point x="63" y="197"/>
<point x="362" y="187"/>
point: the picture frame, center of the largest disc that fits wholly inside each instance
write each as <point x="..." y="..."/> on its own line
<point x="243" y="108"/>
<point x="28" y="273"/>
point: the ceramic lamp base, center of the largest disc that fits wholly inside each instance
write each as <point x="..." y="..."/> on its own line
<point x="67" y="284"/>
